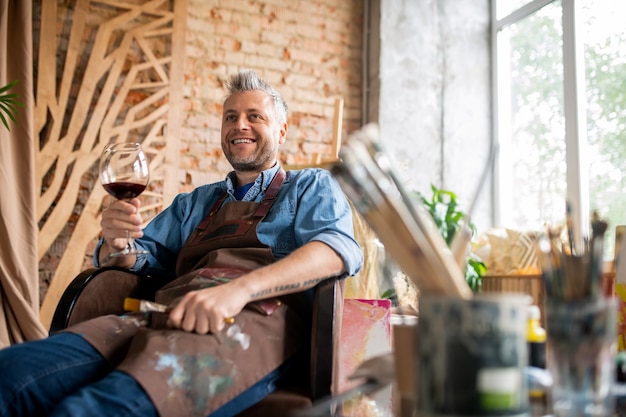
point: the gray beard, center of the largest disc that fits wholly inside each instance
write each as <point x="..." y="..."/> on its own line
<point x="257" y="164"/>
<point x="247" y="166"/>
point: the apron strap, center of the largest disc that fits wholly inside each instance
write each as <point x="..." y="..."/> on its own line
<point x="270" y="195"/>
<point x="264" y="206"/>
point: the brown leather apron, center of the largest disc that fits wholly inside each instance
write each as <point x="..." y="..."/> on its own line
<point x="186" y="374"/>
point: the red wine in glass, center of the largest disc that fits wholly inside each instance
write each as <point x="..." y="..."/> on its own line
<point x="124" y="173"/>
<point x="124" y="190"/>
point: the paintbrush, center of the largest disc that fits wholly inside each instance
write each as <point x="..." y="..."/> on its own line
<point x="598" y="228"/>
<point x="146" y="306"/>
<point x="136" y="305"/>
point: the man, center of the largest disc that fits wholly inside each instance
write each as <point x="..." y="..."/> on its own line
<point x="261" y="234"/>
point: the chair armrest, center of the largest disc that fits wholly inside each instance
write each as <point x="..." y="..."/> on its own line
<point x="95" y="292"/>
<point x="325" y="336"/>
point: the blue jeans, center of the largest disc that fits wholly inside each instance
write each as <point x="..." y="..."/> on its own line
<point x="64" y="376"/>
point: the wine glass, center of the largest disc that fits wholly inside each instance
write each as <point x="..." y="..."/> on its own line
<point x="124" y="174"/>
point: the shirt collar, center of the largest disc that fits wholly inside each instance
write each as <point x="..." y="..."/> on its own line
<point x="262" y="182"/>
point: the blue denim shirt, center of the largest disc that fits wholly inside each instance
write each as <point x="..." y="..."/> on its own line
<point x="309" y="207"/>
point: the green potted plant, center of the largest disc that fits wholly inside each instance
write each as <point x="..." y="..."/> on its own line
<point x="444" y="209"/>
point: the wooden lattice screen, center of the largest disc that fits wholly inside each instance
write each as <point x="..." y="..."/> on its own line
<point x="105" y="71"/>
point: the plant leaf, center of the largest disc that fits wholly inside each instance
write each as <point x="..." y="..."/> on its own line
<point x="8" y="86"/>
<point x="8" y="104"/>
<point x="391" y="295"/>
<point x="9" y="111"/>
<point x="6" y="97"/>
<point x="12" y="102"/>
<point x="6" y="108"/>
<point x="4" y="122"/>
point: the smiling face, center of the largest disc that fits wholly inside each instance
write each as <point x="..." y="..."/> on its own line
<point x="251" y="132"/>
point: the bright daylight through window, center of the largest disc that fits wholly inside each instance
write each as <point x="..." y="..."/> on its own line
<point x="535" y="106"/>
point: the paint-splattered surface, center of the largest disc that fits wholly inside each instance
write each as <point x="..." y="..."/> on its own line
<point x="365" y="333"/>
<point x="186" y="374"/>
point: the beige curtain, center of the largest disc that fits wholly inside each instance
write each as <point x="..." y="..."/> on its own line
<point x="19" y="280"/>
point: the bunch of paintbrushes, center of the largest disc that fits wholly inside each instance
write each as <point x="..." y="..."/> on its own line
<point x="573" y="272"/>
<point x="400" y="220"/>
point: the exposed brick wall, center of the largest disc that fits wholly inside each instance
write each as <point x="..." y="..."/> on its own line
<point x="310" y="51"/>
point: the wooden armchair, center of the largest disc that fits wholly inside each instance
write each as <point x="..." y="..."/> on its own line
<point x="96" y="292"/>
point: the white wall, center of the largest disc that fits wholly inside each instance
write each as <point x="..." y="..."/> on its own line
<point x="434" y="97"/>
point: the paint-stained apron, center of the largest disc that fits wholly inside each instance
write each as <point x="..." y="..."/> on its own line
<point x="186" y="374"/>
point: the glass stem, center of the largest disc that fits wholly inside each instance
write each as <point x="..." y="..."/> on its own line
<point x="130" y="242"/>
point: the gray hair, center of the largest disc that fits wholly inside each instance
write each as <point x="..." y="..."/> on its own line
<point x="249" y="80"/>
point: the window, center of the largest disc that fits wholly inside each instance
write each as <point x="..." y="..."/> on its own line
<point x="505" y="7"/>
<point x="561" y="112"/>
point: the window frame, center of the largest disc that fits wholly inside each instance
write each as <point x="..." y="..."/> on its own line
<point x="574" y="95"/>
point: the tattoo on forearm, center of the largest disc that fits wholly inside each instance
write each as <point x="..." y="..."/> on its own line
<point x="259" y="294"/>
<point x="282" y="288"/>
<point x="314" y="281"/>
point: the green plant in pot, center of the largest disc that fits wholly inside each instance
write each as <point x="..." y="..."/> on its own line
<point x="444" y="209"/>
<point x="449" y="219"/>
